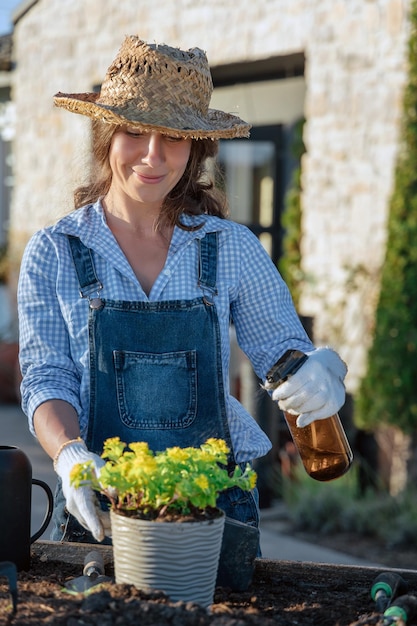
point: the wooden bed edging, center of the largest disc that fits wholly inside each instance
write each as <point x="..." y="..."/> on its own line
<point x="74" y="553"/>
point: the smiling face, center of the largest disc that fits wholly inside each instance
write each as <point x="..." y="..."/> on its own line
<point x="146" y="166"/>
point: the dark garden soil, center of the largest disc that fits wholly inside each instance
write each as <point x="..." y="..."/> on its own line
<point x="283" y="593"/>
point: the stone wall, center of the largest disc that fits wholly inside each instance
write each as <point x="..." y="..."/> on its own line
<point x="355" y="72"/>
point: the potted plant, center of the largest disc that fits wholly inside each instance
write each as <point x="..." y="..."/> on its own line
<point x="166" y="528"/>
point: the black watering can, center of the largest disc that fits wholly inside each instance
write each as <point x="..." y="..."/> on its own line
<point x="15" y="507"/>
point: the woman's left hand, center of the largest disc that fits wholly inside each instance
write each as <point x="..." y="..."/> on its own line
<point x="316" y="390"/>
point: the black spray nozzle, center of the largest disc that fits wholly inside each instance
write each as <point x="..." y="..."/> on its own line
<point x="287" y="365"/>
<point x="403" y="608"/>
<point x="385" y="588"/>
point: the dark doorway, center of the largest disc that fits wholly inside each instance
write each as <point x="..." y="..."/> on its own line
<point x="254" y="173"/>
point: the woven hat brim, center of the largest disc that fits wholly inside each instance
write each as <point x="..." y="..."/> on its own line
<point x="215" y="125"/>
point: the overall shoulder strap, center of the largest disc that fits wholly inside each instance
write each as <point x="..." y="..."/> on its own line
<point x="84" y="266"/>
<point x="207" y="263"/>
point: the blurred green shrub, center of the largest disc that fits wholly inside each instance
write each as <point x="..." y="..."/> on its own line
<point x="331" y="508"/>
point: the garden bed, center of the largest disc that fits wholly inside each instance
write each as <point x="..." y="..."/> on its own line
<point x="283" y="593"/>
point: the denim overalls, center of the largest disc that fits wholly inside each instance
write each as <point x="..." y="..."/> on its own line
<point x="155" y="376"/>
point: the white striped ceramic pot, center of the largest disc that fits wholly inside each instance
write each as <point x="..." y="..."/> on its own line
<point x="178" y="558"/>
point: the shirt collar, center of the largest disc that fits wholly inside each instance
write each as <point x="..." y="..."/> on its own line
<point x="89" y="224"/>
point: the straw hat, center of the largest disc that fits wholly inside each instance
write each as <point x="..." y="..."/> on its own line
<point x="156" y="87"/>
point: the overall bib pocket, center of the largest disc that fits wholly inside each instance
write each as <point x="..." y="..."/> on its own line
<point x="142" y="376"/>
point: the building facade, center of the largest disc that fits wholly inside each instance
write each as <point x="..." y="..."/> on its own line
<point x="340" y="64"/>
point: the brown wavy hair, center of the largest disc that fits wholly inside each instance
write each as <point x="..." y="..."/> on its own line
<point x="194" y="194"/>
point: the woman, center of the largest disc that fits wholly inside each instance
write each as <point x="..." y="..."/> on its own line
<point x="125" y="304"/>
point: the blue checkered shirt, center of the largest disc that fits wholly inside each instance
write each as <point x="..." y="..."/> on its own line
<point x="53" y="317"/>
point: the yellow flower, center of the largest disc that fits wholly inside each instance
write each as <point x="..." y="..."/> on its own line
<point x="202" y="482"/>
<point x="252" y="480"/>
<point x="140" y="448"/>
<point x="177" y="454"/>
<point x="218" y="446"/>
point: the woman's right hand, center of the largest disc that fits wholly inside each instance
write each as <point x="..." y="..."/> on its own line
<point x="81" y="502"/>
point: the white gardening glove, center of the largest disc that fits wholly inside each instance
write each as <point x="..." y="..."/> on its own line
<point x="316" y="390"/>
<point x="81" y="502"/>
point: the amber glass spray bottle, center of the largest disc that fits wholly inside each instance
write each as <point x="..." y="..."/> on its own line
<point x="322" y="445"/>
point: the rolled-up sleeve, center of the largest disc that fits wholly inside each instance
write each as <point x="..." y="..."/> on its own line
<point x="45" y="357"/>
<point x="263" y="312"/>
